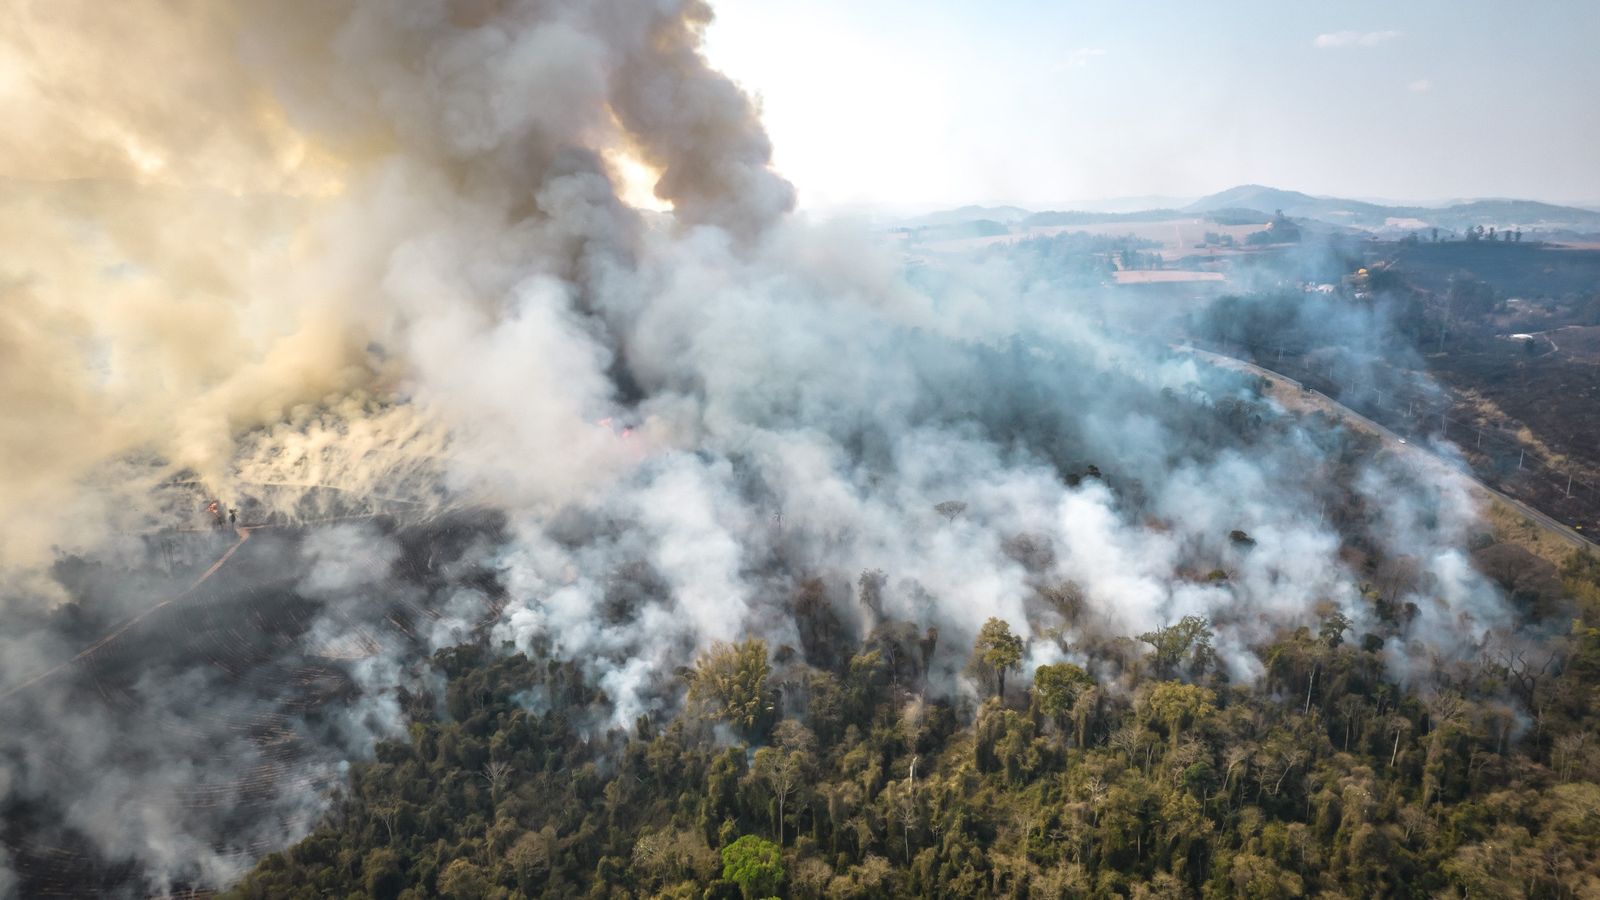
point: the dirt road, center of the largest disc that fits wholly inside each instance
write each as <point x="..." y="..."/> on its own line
<point x="1316" y="399"/>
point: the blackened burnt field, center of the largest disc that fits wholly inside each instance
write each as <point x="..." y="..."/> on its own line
<point x="210" y="689"/>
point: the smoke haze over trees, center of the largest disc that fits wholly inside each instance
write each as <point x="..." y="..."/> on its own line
<point x="542" y="489"/>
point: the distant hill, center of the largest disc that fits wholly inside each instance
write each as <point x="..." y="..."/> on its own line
<point x="1529" y="215"/>
<point x="1254" y="203"/>
<point x="1141" y="203"/>
<point x="1044" y="219"/>
<point x="974" y="228"/>
<point x="964" y="214"/>
<point x="1238" y="215"/>
<point x="1293" y="203"/>
<point x="1526" y="213"/>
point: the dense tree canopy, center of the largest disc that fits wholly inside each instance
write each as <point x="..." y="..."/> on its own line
<point x="754" y="865"/>
<point x="731" y="682"/>
<point x="1330" y="776"/>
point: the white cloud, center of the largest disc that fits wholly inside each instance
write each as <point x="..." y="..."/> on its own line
<point x="1354" y="38"/>
<point x="1420" y="86"/>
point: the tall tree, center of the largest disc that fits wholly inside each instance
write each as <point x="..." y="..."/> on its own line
<point x="1187" y="640"/>
<point x="1174" y="703"/>
<point x="1055" y="691"/>
<point x="784" y="771"/>
<point x="730" y="682"/>
<point x="754" y="865"/>
<point x="996" y="652"/>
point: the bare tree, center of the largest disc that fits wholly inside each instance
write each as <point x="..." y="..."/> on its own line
<point x="1414" y="820"/>
<point x="1397" y="575"/>
<point x="1274" y="763"/>
<point x="1351" y="706"/>
<point x="1097" y="794"/>
<point x="497" y="773"/>
<point x="387" y="815"/>
<point x="905" y="811"/>
<point x="1237" y="756"/>
<point x="783" y="771"/>
<point x="1527" y="663"/>
<point x="1127" y="740"/>
<point x="950" y="509"/>
<point x="652" y="853"/>
<point x="1445" y="712"/>
<point x="1567" y="753"/>
<point x="1399" y="725"/>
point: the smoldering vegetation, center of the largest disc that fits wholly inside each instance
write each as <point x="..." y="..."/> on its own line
<point x="381" y="271"/>
<point x="193" y="736"/>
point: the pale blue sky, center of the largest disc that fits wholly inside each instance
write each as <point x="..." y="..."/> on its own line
<point x="937" y="101"/>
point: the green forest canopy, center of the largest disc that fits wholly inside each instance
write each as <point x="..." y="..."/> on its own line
<point x="1327" y="778"/>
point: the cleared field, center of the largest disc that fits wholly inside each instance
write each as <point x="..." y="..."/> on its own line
<point x="1176" y="236"/>
<point x="1164" y="276"/>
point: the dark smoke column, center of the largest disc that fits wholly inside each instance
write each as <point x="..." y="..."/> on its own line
<point x="700" y="130"/>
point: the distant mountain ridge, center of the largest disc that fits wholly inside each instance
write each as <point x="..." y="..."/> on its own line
<point x="1239" y="203"/>
<point x="1528" y="214"/>
<point x="964" y="214"/>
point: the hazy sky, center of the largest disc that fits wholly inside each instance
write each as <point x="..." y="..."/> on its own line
<point x="938" y="101"/>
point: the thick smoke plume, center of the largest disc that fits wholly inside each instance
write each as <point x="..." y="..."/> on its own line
<point x="371" y="261"/>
